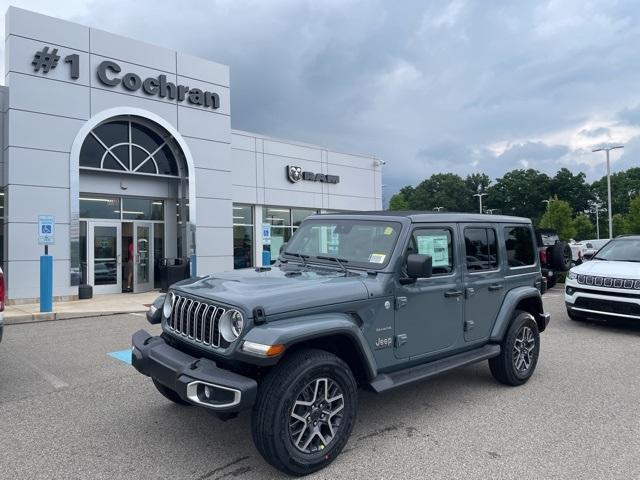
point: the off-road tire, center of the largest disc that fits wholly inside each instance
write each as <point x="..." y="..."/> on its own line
<point x="170" y="394"/>
<point x="551" y="281"/>
<point x="503" y="367"/>
<point x="277" y="395"/>
<point x="561" y="256"/>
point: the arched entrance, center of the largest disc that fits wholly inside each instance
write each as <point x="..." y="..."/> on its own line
<point x="134" y="204"/>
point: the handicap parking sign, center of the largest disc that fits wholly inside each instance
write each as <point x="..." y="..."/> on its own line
<point x="46" y="230"/>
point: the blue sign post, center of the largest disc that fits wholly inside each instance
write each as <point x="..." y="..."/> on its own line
<point x="46" y="237"/>
<point x="266" y="241"/>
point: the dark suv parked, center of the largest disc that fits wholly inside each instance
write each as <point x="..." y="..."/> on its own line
<point x="376" y="300"/>
<point x="555" y="255"/>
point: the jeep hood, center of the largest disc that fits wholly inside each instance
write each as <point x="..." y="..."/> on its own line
<point x="277" y="291"/>
<point x="613" y="269"/>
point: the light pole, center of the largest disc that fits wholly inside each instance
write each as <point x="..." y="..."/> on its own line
<point x="597" y="206"/>
<point x="607" y="150"/>
<point x="479" y="195"/>
<point x="547" y="202"/>
<point x="437" y="209"/>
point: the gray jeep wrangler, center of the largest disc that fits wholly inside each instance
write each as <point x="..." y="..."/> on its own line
<point x="375" y="300"/>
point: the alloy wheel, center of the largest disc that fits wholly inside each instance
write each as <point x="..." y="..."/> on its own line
<point x="316" y="416"/>
<point x="524" y="350"/>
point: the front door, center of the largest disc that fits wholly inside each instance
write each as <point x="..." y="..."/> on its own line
<point x="105" y="257"/>
<point x="429" y="312"/>
<point x="142" y="257"/>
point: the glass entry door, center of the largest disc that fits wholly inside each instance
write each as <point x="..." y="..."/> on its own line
<point x="105" y="257"/>
<point x="143" y="257"/>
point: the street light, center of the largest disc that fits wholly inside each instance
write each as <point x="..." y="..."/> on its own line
<point x="437" y="209"/>
<point x="479" y="195"/>
<point x="547" y="202"/>
<point x="596" y="206"/>
<point x="489" y="211"/>
<point x="607" y="150"/>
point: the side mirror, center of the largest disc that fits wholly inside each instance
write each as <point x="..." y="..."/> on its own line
<point x="283" y="247"/>
<point x="419" y="266"/>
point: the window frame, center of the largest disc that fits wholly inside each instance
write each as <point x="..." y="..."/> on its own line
<point x="452" y="238"/>
<point x="486" y="228"/>
<point x="127" y="166"/>
<point x="533" y="240"/>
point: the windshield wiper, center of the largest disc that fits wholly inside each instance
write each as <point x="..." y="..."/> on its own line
<point x="600" y="258"/>
<point x="339" y="261"/>
<point x="300" y="256"/>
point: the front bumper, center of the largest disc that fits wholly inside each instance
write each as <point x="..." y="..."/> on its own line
<point x="188" y="376"/>
<point x="601" y="302"/>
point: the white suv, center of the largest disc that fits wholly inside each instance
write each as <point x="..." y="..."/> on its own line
<point x="609" y="285"/>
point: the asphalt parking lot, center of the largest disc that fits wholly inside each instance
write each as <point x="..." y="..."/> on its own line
<point x="69" y="410"/>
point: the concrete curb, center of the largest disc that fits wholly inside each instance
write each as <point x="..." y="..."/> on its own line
<point x="53" y="316"/>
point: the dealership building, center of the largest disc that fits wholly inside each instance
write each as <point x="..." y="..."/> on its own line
<point x="120" y="154"/>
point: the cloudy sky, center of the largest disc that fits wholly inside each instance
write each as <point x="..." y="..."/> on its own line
<point x="428" y="86"/>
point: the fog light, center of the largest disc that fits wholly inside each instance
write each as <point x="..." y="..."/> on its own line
<point x="570" y="290"/>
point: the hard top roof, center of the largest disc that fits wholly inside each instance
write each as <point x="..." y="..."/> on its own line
<point x="435" y="217"/>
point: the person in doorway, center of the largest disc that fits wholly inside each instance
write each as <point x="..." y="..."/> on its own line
<point x="129" y="287"/>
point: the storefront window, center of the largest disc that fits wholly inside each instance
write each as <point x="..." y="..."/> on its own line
<point x="242" y="236"/>
<point x="158" y="252"/>
<point x="283" y="221"/>
<point x="92" y="206"/>
<point x="142" y="209"/>
<point x="298" y="215"/>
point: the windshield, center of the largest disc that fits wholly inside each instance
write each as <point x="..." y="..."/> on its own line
<point x="360" y="243"/>
<point x="621" y="249"/>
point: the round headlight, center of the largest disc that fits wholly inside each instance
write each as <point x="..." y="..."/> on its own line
<point x="168" y="304"/>
<point x="231" y="325"/>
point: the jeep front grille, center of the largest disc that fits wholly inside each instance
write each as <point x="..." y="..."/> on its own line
<point x="196" y="321"/>
<point x="608" y="282"/>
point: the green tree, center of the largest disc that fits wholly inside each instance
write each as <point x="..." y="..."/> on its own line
<point x="402" y="199"/>
<point x="619" y="224"/>
<point x="583" y="227"/>
<point x="574" y="189"/>
<point x="521" y="193"/>
<point x="446" y="190"/>
<point x="633" y="217"/>
<point x="625" y="185"/>
<point x="558" y="216"/>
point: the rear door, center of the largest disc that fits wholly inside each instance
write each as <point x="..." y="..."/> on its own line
<point x="429" y="311"/>
<point x="483" y="280"/>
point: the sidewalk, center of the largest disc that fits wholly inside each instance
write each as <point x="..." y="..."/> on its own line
<point x="99" y="305"/>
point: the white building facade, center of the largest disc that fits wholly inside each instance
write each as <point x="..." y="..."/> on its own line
<point x="129" y="147"/>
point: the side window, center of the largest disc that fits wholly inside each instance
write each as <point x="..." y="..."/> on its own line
<point x="481" y="249"/>
<point x="437" y="243"/>
<point x="519" y="245"/>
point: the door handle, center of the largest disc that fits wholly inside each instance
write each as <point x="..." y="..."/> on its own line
<point x="495" y="286"/>
<point x="453" y="293"/>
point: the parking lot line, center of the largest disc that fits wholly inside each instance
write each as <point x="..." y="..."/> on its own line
<point x="48" y="376"/>
<point x="122" y="355"/>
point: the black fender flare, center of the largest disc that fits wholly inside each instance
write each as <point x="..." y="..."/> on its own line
<point x="509" y="305"/>
<point x="292" y="331"/>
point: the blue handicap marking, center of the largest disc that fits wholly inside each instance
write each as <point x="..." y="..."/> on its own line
<point x="122" y="355"/>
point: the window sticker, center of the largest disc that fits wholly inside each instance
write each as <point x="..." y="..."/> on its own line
<point x="388" y="231"/>
<point x="437" y="246"/>
<point x="377" y="258"/>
